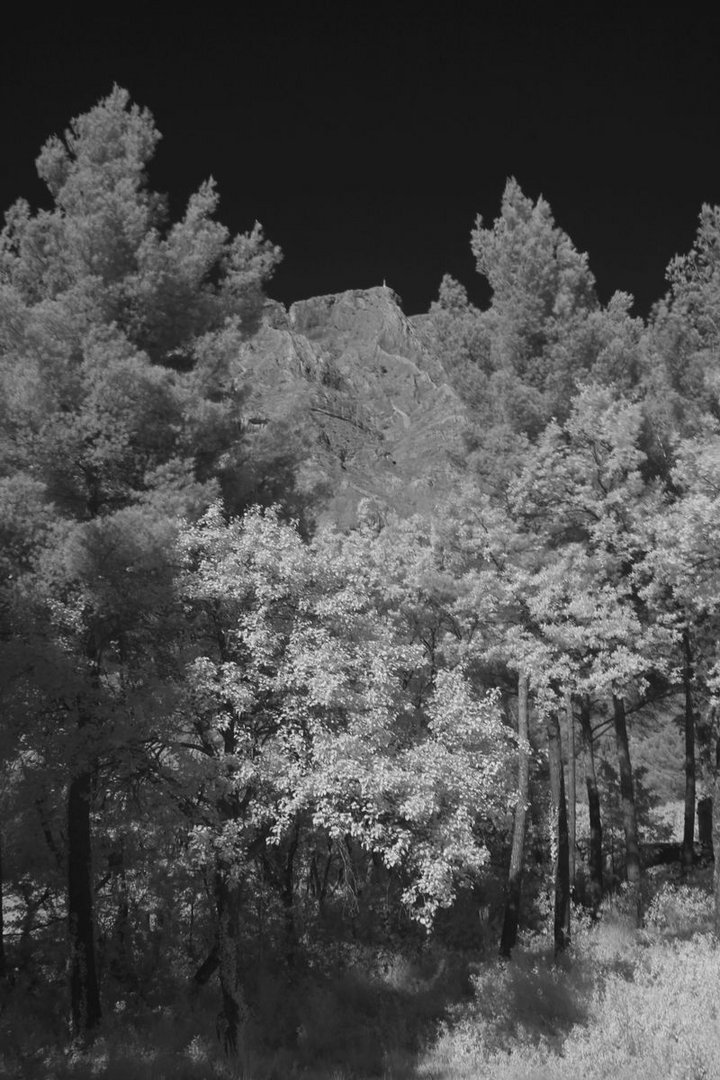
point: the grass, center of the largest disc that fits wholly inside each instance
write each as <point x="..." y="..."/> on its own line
<point x="659" y="1024"/>
<point x="623" y="1004"/>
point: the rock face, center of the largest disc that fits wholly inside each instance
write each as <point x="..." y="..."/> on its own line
<point x="379" y="418"/>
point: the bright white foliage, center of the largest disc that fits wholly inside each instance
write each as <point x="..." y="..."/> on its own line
<point x="328" y="686"/>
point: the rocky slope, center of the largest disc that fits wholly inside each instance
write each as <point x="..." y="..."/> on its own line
<point x="378" y="417"/>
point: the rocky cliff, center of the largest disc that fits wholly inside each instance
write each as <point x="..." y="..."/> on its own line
<point x="379" y="418"/>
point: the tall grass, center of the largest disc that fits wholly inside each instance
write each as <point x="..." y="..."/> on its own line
<point x="660" y="1025"/>
<point x="626" y="1004"/>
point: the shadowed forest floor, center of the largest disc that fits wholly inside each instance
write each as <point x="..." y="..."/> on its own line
<point x="623" y="1002"/>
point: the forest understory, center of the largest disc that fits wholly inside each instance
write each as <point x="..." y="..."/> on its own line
<point x="622" y="1002"/>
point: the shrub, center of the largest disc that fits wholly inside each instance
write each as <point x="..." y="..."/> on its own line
<point x="681" y="911"/>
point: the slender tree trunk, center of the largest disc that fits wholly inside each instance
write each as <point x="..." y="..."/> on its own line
<point x="120" y="945"/>
<point x="288" y="900"/>
<point x="595" y="854"/>
<point x="571" y="790"/>
<point x="627" y="795"/>
<point x="233" y="1016"/>
<point x="705" y="814"/>
<point x="688" y="855"/>
<point x="559" y="837"/>
<point x="716" y="838"/>
<point x="511" y="919"/>
<point x="4" y="971"/>
<point x="206" y="970"/>
<point x="85" y="1013"/>
<point x="53" y="847"/>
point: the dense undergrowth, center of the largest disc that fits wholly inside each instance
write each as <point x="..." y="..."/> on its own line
<point x="623" y="1002"/>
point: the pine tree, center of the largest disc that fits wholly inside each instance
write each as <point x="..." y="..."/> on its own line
<point x="545" y="329"/>
<point x="542" y="294"/>
<point x="118" y="417"/>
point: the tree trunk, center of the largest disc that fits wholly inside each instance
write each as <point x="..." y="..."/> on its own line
<point x="559" y="838"/>
<point x="207" y="969"/>
<point x="571" y="790"/>
<point x="4" y="971"/>
<point x="705" y="816"/>
<point x="231" y="1022"/>
<point x="120" y="945"/>
<point x="716" y="838"/>
<point x="288" y="900"/>
<point x="627" y="795"/>
<point x="508" y="938"/>
<point x="85" y="1013"/>
<point x="688" y="854"/>
<point x="595" y="854"/>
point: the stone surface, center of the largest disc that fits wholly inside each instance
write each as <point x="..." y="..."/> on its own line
<point x="350" y="370"/>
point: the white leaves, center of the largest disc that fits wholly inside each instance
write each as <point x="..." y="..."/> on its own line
<point x="331" y="673"/>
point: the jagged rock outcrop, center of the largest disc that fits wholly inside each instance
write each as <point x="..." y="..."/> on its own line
<point x="379" y="419"/>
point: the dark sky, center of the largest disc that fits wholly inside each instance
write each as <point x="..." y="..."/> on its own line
<point x="366" y="141"/>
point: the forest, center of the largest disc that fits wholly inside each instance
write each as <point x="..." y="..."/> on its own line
<point x="426" y="786"/>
